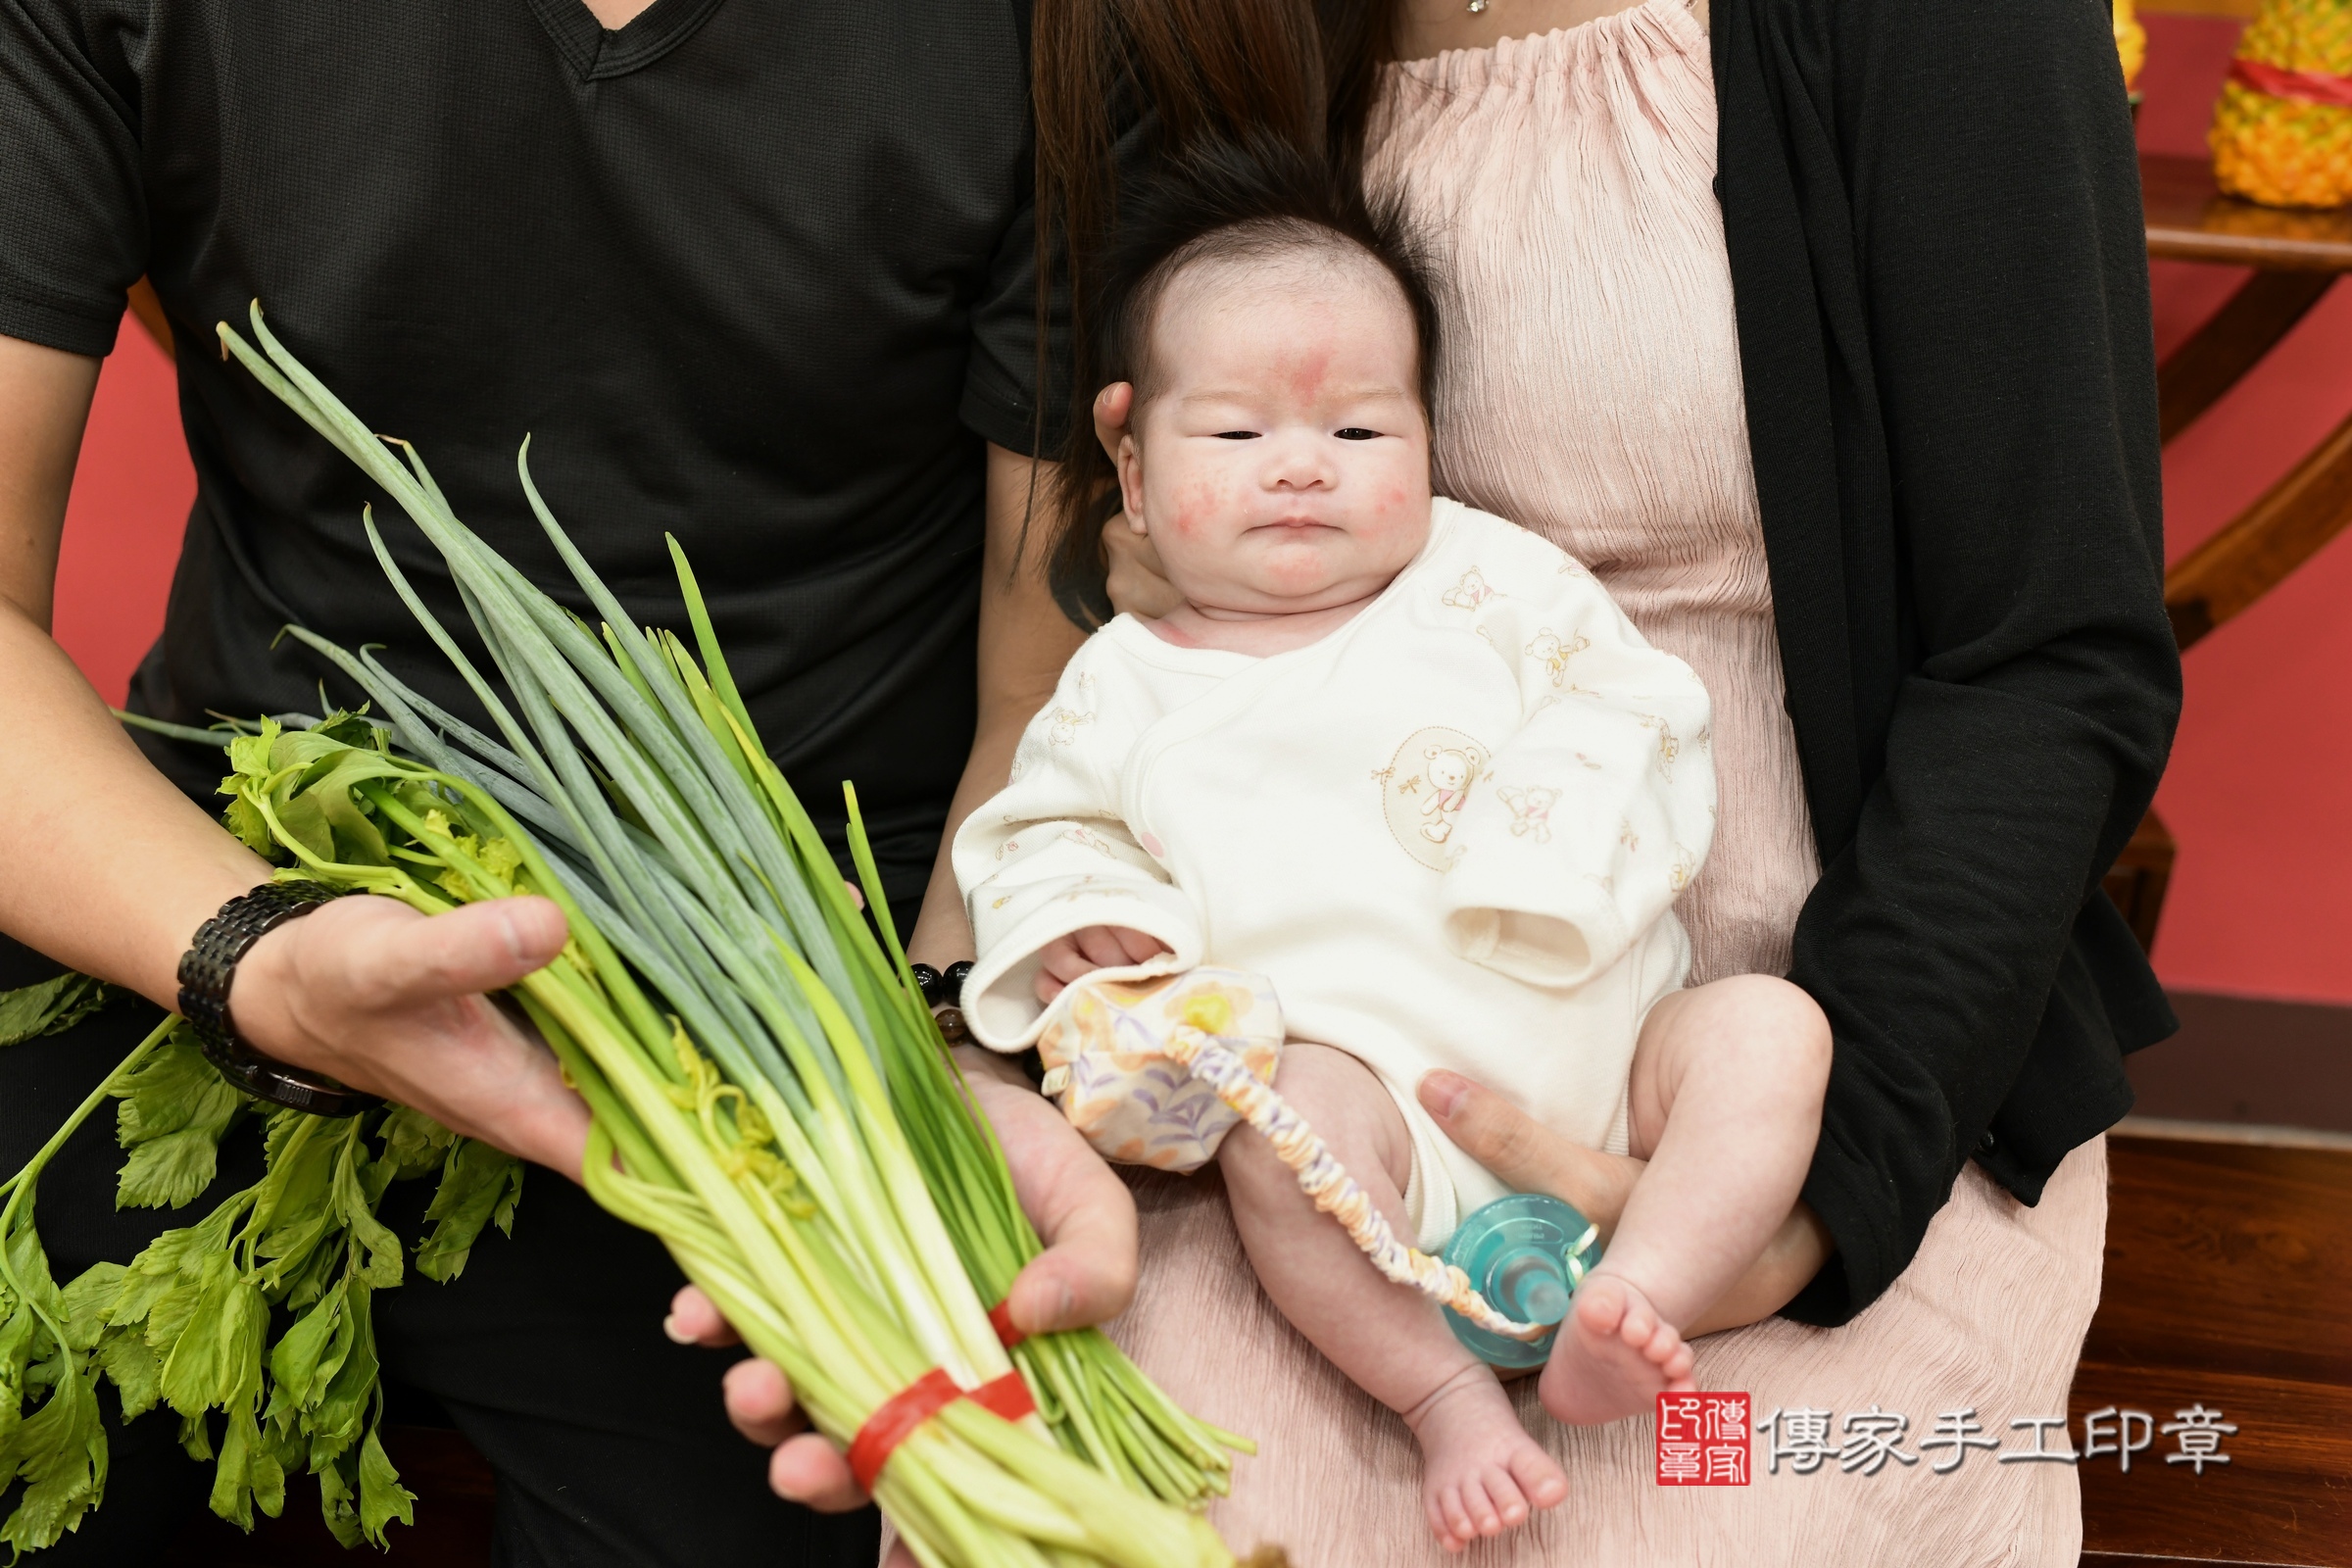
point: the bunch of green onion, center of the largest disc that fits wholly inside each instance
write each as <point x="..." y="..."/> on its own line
<point x="770" y="1097"/>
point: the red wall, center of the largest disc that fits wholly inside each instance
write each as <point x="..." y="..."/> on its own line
<point x="2261" y="900"/>
<point x="130" y="504"/>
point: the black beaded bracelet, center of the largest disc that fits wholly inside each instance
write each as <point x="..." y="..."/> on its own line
<point x="942" y="990"/>
<point x="207" y="970"/>
<point x="943" y="993"/>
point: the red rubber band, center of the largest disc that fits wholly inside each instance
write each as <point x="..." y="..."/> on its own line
<point x="891" y="1425"/>
<point x="999" y="1318"/>
<point x="2310" y="86"/>
<point x="1007" y="1395"/>
<point x="895" y="1422"/>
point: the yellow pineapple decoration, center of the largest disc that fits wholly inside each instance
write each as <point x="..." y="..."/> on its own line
<point x="2282" y="130"/>
<point x="2130" y="42"/>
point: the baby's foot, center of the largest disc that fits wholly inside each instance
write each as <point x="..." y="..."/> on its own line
<point x="1480" y="1473"/>
<point x="1613" y="1357"/>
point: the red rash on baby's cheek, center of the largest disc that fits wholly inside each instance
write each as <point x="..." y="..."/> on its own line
<point x="1198" y="501"/>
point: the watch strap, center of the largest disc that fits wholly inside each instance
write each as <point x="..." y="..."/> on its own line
<point x="208" y="969"/>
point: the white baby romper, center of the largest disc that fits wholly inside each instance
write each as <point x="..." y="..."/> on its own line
<point x="1450" y="833"/>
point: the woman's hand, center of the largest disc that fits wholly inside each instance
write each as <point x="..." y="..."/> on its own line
<point x="1086" y="1275"/>
<point x="1138" y="586"/>
<point x="387" y="1001"/>
<point x="1528" y="1156"/>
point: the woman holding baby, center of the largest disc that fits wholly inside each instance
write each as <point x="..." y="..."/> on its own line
<point x="1816" y="331"/>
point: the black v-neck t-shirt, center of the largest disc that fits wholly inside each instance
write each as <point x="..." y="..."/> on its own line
<point x="759" y="274"/>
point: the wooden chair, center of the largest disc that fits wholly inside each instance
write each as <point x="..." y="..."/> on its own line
<point x="2298" y="258"/>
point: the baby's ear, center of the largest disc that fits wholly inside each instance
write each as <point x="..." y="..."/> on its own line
<point x="1114" y="405"/>
<point x="1128" y="459"/>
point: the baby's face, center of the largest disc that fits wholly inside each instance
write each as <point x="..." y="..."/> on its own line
<point x="1281" y="463"/>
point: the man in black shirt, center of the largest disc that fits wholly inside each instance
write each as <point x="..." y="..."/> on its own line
<point x="758" y="275"/>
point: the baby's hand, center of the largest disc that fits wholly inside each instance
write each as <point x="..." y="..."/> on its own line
<point x="1082" y="953"/>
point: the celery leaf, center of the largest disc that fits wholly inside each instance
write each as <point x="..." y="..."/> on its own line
<point x="479" y="1186"/>
<point x="382" y="1498"/>
<point x="52" y="1006"/>
<point x="169" y="1172"/>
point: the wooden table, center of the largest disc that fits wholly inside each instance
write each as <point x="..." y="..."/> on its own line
<point x="2188" y="220"/>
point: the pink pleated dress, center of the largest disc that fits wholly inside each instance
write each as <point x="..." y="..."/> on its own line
<point x="1590" y="389"/>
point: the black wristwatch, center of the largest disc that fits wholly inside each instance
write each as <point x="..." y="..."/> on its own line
<point x="205" y="973"/>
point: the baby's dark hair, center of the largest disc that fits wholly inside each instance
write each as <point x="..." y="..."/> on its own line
<point x="1219" y="202"/>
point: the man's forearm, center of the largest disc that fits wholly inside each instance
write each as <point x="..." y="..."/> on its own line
<point x="104" y="866"/>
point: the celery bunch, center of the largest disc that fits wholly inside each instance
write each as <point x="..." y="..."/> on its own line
<point x="185" y="1324"/>
<point x="769" y="1095"/>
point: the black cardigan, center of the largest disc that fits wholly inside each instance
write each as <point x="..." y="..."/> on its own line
<point x="1940" y="276"/>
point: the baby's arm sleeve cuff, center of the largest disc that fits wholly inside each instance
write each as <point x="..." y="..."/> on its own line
<point x="999" y="1000"/>
<point x="1576" y="933"/>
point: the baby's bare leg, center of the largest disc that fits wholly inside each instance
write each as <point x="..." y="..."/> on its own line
<point x="1482" y="1471"/>
<point x="1530" y="1158"/>
<point x="1726" y="1100"/>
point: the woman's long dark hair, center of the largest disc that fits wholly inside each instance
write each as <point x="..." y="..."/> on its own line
<point x="1196" y="78"/>
<point x="1218" y="199"/>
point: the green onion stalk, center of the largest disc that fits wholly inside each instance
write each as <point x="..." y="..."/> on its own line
<point x="769" y="1096"/>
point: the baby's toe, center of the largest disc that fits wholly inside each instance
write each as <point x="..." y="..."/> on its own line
<point x="1502" y="1491"/>
<point x="1539" y="1478"/>
<point x="1481" y="1504"/>
<point x="1640" y="1324"/>
<point x="1599" y="1305"/>
<point x="1460" y="1530"/>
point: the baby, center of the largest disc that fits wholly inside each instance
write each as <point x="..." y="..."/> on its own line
<point x="1412" y="763"/>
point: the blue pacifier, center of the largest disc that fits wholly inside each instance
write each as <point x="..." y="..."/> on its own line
<point x="1526" y="1254"/>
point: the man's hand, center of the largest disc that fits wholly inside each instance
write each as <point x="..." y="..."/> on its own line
<point x="1085" y="1275"/>
<point x="371" y="992"/>
<point x="1081" y="953"/>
